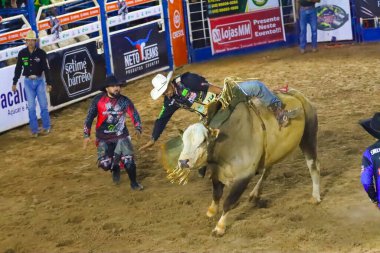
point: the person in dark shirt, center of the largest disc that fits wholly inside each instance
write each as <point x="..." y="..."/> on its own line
<point x="32" y="62"/>
<point x="193" y="92"/>
<point x="112" y="136"/>
<point x="188" y="91"/>
<point x="307" y="15"/>
<point x="370" y="173"/>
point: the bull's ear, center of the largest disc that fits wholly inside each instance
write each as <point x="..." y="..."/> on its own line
<point x="180" y="132"/>
<point x="214" y="132"/>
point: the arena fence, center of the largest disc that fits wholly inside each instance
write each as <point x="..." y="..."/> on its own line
<point x="134" y="38"/>
<point x="83" y="47"/>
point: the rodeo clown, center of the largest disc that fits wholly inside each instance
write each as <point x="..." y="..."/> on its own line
<point x="192" y="92"/>
<point x="370" y="174"/>
<point x="112" y="136"/>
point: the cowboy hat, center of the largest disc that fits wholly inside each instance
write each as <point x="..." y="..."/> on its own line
<point x="110" y="81"/>
<point x="160" y="84"/>
<point x="30" y="35"/>
<point x="372" y="125"/>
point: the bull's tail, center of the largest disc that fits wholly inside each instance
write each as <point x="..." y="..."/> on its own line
<point x="309" y="138"/>
<point x="308" y="143"/>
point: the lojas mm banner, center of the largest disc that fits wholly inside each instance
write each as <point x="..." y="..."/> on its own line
<point x="138" y="51"/>
<point x="76" y="72"/>
<point x="13" y="105"/>
<point x="218" y="8"/>
<point x="334" y="21"/>
<point x="367" y="8"/>
<point x="177" y="32"/>
<point x="246" y="30"/>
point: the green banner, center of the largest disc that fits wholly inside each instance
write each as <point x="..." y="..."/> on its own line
<point x="217" y="8"/>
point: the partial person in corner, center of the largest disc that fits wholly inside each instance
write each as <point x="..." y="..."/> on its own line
<point x="370" y="173"/>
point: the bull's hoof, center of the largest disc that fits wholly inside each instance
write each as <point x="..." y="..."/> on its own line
<point x="255" y="200"/>
<point x="218" y="231"/>
<point x="315" y="201"/>
<point x="211" y="212"/>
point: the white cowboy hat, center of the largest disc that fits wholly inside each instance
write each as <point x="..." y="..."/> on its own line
<point x="30" y="35"/>
<point x="160" y="84"/>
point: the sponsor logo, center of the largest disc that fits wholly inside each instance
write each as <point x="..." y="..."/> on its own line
<point x="177" y="19"/>
<point x="375" y="151"/>
<point x="144" y="56"/>
<point x="10" y="99"/>
<point x="331" y="17"/>
<point x="232" y="32"/>
<point x="14" y="102"/>
<point x="259" y="2"/>
<point x="77" y="71"/>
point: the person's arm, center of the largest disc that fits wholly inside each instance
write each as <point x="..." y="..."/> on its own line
<point x="46" y="69"/>
<point x="162" y="121"/>
<point x="214" y="89"/>
<point x="92" y="113"/>
<point x="135" y="117"/>
<point x="367" y="175"/>
<point x="18" y="70"/>
<point x="166" y="113"/>
<point x="198" y="83"/>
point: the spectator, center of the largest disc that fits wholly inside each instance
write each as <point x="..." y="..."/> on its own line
<point x="32" y="62"/>
<point x="307" y="15"/>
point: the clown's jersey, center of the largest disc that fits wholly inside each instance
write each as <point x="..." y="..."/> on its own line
<point x="111" y="114"/>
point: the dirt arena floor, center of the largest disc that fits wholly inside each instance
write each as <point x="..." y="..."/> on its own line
<point x="53" y="198"/>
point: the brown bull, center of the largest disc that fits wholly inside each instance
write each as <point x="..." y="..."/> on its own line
<point x="250" y="140"/>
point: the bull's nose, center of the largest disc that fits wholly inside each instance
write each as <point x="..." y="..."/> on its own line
<point x="183" y="163"/>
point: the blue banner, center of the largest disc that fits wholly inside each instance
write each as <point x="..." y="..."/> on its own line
<point x="368" y="8"/>
<point x="138" y="51"/>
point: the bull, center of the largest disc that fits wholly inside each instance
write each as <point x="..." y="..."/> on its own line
<point x="248" y="142"/>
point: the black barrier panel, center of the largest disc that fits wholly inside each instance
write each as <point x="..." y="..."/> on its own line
<point x="138" y="51"/>
<point x="76" y="72"/>
<point x="368" y="8"/>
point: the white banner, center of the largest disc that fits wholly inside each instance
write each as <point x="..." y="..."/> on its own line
<point x="13" y="105"/>
<point x="334" y="21"/>
<point x="85" y="29"/>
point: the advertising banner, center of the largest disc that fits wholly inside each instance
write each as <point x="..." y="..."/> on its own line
<point x="246" y="30"/>
<point x="76" y="72"/>
<point x="96" y="26"/>
<point x="138" y="51"/>
<point x="334" y="21"/>
<point x="367" y="8"/>
<point x="13" y="36"/>
<point x="86" y="13"/>
<point x="218" y="8"/>
<point x="177" y="33"/>
<point x="13" y="105"/>
<point x="253" y="5"/>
